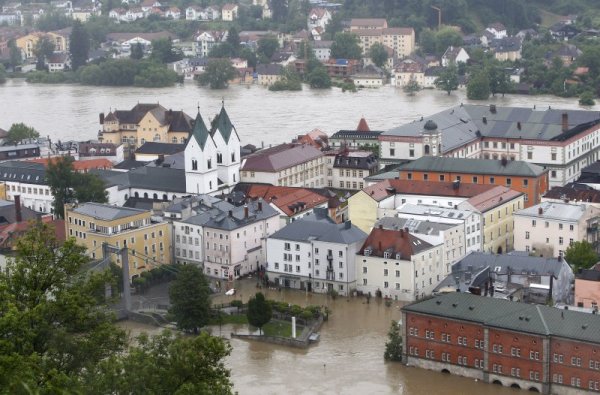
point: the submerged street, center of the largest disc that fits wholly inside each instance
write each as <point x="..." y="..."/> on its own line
<point x="347" y="360"/>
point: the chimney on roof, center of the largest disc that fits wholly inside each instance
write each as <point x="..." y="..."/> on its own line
<point x="402" y="233"/>
<point x="406" y="229"/>
<point x="231" y="213"/>
<point x="101" y="118"/>
<point x="565" y="121"/>
<point x="484" y="120"/>
<point x="260" y="205"/>
<point x="540" y="211"/>
<point x="245" y="211"/>
<point x="380" y="226"/>
<point x="519" y="125"/>
<point x="493" y="108"/>
<point x="18" y="214"/>
<point x="504" y="161"/>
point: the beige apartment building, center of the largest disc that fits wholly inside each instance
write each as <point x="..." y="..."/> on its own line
<point x="376" y="30"/>
<point x="145" y="123"/>
<point x="93" y="224"/>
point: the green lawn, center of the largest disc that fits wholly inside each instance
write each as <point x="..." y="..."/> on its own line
<point x="280" y="328"/>
<point x="230" y="319"/>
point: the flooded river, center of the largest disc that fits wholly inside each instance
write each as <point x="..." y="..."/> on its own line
<point x="347" y="360"/>
<point x="71" y="111"/>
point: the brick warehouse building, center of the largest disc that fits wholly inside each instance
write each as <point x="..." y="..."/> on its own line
<point x="533" y="347"/>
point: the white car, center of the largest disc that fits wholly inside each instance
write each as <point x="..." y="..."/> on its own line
<point x="230" y="292"/>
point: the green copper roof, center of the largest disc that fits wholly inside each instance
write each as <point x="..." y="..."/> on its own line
<point x="200" y="131"/>
<point x="223" y="125"/>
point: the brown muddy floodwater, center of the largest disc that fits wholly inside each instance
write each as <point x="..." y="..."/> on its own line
<point x="347" y="360"/>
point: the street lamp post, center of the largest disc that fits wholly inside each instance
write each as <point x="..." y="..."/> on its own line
<point x="439" y="11"/>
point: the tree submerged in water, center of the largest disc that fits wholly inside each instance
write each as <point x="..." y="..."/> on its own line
<point x="393" y="347"/>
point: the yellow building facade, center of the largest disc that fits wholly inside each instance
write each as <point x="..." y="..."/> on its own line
<point x="499" y="225"/>
<point x="145" y="123"/>
<point x="362" y="210"/>
<point x="93" y="224"/>
<point x="28" y="42"/>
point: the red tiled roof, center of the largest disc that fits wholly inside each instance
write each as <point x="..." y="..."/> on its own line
<point x="386" y="188"/>
<point x="284" y="197"/>
<point x="394" y="241"/>
<point x="363" y="126"/>
<point x="494" y="197"/>
<point x="80" y="165"/>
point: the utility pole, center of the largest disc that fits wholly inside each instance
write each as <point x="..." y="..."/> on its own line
<point x="439" y="11"/>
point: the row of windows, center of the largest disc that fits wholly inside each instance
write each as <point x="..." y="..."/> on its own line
<point x="547" y="225"/>
<point x="29" y="190"/>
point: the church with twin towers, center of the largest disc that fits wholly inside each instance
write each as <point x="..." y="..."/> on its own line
<point x="212" y="155"/>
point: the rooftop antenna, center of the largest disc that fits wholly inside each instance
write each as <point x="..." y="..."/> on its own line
<point x="223" y="101"/>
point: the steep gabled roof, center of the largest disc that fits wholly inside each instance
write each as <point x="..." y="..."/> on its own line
<point x="363" y="126"/>
<point x="224" y="126"/>
<point x="395" y="242"/>
<point x="200" y="132"/>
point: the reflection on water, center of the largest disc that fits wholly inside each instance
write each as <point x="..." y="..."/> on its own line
<point x="347" y="360"/>
<point x="71" y="111"/>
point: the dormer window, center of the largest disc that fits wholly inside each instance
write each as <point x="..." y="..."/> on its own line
<point x="367" y="251"/>
<point x="386" y="254"/>
<point x="398" y="256"/>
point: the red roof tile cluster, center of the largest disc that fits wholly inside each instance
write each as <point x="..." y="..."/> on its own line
<point x="81" y="166"/>
<point x="393" y="242"/>
<point x="286" y="198"/>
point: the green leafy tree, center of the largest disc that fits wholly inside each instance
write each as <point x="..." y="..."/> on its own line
<point x="89" y="188"/>
<point x="223" y="50"/>
<point x="393" y="347"/>
<point x="290" y="81"/>
<point x="137" y="51"/>
<point x="80" y="45"/>
<point x="259" y="311"/>
<point x="581" y="255"/>
<point x="319" y="79"/>
<point x="345" y="46"/>
<point x="478" y="87"/>
<point x="190" y="302"/>
<point x="233" y="38"/>
<point x="53" y="20"/>
<point x="14" y="54"/>
<point x="447" y="81"/>
<point x="44" y="48"/>
<point x="586" y="99"/>
<point x="68" y="186"/>
<point x="19" y="132"/>
<point x="378" y="54"/>
<point x="499" y="78"/>
<point x="267" y="46"/>
<point x="163" y="51"/>
<point x="411" y="87"/>
<point x="446" y="37"/>
<point x="217" y="74"/>
<point x="54" y="323"/>
<point x="427" y="41"/>
<point x="61" y="178"/>
<point x="279" y="9"/>
<point x="165" y="364"/>
<point x="250" y="56"/>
